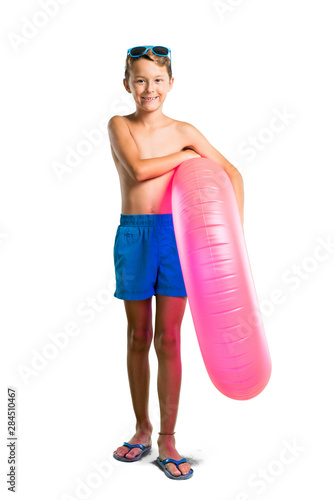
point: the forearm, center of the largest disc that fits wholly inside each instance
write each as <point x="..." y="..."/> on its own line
<point x="154" y="167"/>
<point x="238" y="187"/>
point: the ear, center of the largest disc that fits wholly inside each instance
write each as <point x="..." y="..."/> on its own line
<point x="126" y="85"/>
<point x="171" y="83"/>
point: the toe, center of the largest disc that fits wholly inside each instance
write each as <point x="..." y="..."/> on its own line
<point x="120" y="452"/>
<point x="132" y="453"/>
<point x="173" y="469"/>
<point x="184" y="468"/>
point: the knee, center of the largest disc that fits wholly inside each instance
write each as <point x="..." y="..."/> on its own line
<point x="139" y="339"/>
<point x="167" y="342"/>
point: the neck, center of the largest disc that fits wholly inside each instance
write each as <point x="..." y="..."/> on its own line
<point x="149" y="119"/>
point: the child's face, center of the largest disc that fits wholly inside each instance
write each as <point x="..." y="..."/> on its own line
<point x="148" y="80"/>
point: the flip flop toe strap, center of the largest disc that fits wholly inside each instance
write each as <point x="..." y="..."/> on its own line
<point x="142" y="447"/>
<point x="176" y="462"/>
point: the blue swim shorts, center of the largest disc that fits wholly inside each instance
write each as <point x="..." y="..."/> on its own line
<point x="146" y="258"/>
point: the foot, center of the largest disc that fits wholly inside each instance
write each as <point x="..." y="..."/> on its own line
<point x="167" y="449"/>
<point x="141" y="437"/>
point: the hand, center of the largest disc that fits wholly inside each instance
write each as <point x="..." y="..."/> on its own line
<point x="191" y="153"/>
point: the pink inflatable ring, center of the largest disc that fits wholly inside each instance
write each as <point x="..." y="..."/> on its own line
<point x="218" y="279"/>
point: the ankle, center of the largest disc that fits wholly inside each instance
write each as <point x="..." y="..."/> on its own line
<point x="166" y="438"/>
<point x="145" y="426"/>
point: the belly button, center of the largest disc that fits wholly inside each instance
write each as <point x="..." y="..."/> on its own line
<point x="152" y="210"/>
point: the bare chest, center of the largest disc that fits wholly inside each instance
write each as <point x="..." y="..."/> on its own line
<point x="154" y="143"/>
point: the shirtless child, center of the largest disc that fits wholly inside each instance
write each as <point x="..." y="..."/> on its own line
<point x="146" y="147"/>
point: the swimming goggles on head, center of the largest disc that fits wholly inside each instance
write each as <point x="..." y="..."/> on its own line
<point x="156" y="49"/>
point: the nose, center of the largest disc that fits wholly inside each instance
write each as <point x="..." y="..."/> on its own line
<point x="150" y="87"/>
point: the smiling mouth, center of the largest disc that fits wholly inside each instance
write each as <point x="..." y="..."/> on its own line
<point x="150" y="98"/>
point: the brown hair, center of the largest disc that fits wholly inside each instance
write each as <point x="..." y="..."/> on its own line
<point x="160" y="61"/>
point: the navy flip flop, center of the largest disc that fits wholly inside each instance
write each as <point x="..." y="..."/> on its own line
<point x="162" y="464"/>
<point x="134" y="459"/>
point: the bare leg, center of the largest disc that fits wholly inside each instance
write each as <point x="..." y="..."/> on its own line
<point x="169" y="315"/>
<point x="140" y="333"/>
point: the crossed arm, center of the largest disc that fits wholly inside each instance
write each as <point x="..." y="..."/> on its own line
<point x="126" y="150"/>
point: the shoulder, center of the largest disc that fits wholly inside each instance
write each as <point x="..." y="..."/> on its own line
<point x="118" y="125"/>
<point x="188" y="128"/>
<point x="189" y="131"/>
<point x="184" y="125"/>
<point x="120" y="119"/>
<point x="115" y="120"/>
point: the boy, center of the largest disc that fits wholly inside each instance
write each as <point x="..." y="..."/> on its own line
<point x="146" y="147"/>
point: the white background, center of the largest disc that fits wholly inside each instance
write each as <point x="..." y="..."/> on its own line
<point x="235" y="65"/>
